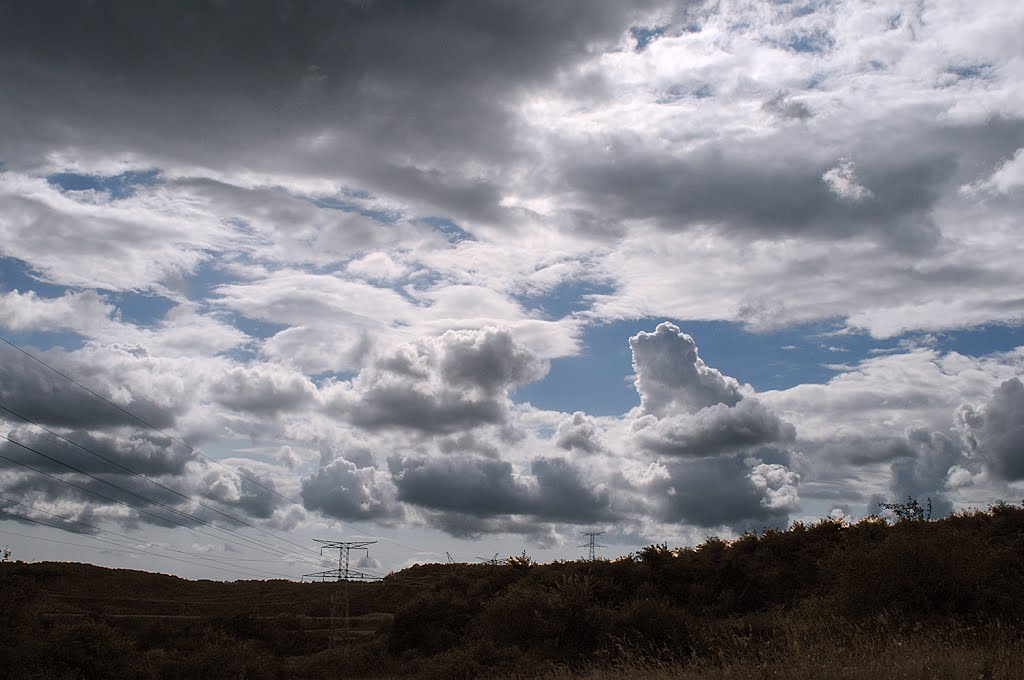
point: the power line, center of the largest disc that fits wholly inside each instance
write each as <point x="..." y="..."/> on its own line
<point x="192" y="449"/>
<point x="261" y="544"/>
<point x="151" y="481"/>
<point x="123" y="536"/>
<point x="343" y="572"/>
<point x="124" y="548"/>
<point x="119" y="502"/>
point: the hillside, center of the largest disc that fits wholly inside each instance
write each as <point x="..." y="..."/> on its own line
<point x="915" y="599"/>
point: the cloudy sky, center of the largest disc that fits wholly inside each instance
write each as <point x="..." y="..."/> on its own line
<point x="472" y="277"/>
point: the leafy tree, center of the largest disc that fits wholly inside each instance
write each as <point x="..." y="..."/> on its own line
<point x="521" y="560"/>
<point x="912" y="509"/>
<point x="5" y="553"/>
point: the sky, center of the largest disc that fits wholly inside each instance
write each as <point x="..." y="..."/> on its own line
<point x="467" y="278"/>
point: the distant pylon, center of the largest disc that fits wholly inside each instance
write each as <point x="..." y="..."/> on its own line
<point x="491" y="560"/>
<point x="343" y="572"/>
<point x="451" y="560"/>
<point x="592" y="544"/>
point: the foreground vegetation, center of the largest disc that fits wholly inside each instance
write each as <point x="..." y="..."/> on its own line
<point x="918" y="599"/>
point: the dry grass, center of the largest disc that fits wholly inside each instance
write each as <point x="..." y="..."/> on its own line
<point x="991" y="652"/>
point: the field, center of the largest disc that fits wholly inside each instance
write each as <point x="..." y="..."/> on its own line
<point x="918" y="599"/>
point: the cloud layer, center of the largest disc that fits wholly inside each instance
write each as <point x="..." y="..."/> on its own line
<point x="336" y="243"/>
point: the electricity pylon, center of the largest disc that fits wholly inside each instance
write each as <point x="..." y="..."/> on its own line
<point x="591" y="544"/>
<point x="343" y="572"/>
<point x="491" y="560"/>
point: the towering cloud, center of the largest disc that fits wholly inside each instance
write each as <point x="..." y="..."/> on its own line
<point x="994" y="432"/>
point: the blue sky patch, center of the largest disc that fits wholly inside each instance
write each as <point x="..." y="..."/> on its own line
<point x="332" y="203"/>
<point x="17" y="275"/>
<point x="453" y="232"/>
<point x="645" y="35"/>
<point x="141" y="309"/>
<point x="813" y="42"/>
<point x="118" y="186"/>
<point x="565" y="298"/>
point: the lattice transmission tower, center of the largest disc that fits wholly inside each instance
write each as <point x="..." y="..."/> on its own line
<point x="344" y="572"/>
<point x="592" y="545"/>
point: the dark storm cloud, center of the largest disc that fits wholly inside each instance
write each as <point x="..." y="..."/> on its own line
<point x="41" y="395"/>
<point x="385" y="87"/>
<point x="769" y="188"/>
<point x="145" y="453"/>
<point x="924" y="474"/>
<point x="994" y="432"/>
<point x="555" y="490"/>
<point x="726" y="491"/>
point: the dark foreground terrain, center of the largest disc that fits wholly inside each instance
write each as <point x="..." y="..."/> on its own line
<point x="918" y="599"/>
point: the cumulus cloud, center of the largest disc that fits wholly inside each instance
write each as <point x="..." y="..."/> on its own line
<point x="713" y="430"/>
<point x="925" y="473"/>
<point x="688" y="408"/>
<point x="778" y="484"/>
<point x="671" y="377"/>
<point x="702" y="426"/>
<point x="454" y="382"/>
<point x="75" y="310"/>
<point x="458" y="488"/>
<point x="263" y="389"/>
<point x="579" y="432"/>
<point x="726" y="491"/>
<point x="151" y="388"/>
<point x="344" y="490"/>
<point x="994" y="431"/>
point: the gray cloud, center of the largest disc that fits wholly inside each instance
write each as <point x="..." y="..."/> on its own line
<point x="713" y="430"/>
<point x="43" y="396"/>
<point x="263" y="389"/>
<point x="578" y="432"/>
<point x="994" y="432"/>
<point x="345" y="490"/>
<point x="490" y="360"/>
<point x="925" y="473"/>
<point x="387" y="87"/>
<point x="457" y="381"/>
<point x="731" y="491"/>
<point x="769" y="188"/>
<point x="147" y="453"/>
<point x="555" y="491"/>
<point x="784" y="106"/>
<point x="249" y="491"/>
